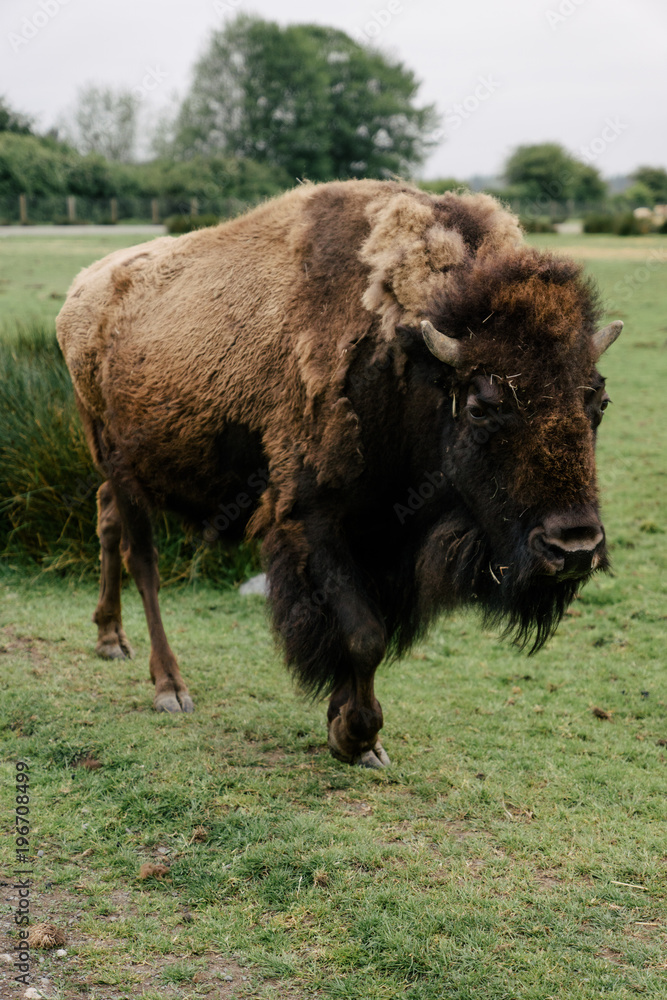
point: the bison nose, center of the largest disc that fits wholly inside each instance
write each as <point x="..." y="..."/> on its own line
<point x="566" y="548"/>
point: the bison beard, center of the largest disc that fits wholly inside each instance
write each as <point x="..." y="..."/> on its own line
<point x="450" y="567"/>
<point x="525" y="608"/>
<point x="347" y="340"/>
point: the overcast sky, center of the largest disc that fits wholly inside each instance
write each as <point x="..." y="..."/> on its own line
<point x="587" y="73"/>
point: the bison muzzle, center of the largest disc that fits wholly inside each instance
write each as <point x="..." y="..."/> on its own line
<point x="420" y="387"/>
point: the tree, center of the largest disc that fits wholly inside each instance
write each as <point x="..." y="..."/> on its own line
<point x="29" y="165"/>
<point x="14" y="121"/>
<point x="442" y="184"/>
<point x="547" y="172"/>
<point x="104" y="121"/>
<point x="638" y="195"/>
<point x="655" y="179"/>
<point x="306" y="98"/>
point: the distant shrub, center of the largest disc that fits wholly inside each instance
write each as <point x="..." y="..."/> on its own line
<point x="599" y="222"/>
<point x="177" y="224"/>
<point x="537" y="224"/>
<point x="620" y="224"/>
<point x="627" y="224"/>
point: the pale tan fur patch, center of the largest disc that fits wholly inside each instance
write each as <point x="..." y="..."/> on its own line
<point x="406" y="252"/>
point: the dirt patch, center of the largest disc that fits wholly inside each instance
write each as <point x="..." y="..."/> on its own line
<point x="33" y="647"/>
<point x="515" y="813"/>
<point x="460" y="830"/>
<point x="646" y="930"/>
<point x="272" y="758"/>
<point x="357" y="808"/>
<point x="101" y="961"/>
<point x="611" y="955"/>
<point x="207" y="975"/>
<point x="405" y="831"/>
<point x="475" y="865"/>
<point x="548" y="879"/>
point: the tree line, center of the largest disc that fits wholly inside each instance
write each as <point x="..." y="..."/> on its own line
<point x="270" y="105"/>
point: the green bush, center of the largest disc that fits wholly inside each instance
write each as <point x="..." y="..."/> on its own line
<point x="627" y="225"/>
<point x="599" y="222"/>
<point x="48" y="482"/>
<point x="537" y="224"/>
<point x="620" y="224"/>
<point x="47" y="170"/>
<point x="187" y="223"/>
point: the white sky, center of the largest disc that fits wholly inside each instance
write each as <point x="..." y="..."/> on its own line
<point x="599" y="61"/>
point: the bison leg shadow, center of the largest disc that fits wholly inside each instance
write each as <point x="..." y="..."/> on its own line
<point x="125" y="526"/>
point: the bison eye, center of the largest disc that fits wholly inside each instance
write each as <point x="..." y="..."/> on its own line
<point x="476" y="411"/>
<point x="598" y="410"/>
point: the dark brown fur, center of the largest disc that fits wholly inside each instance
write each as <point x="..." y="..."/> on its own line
<point x="289" y="340"/>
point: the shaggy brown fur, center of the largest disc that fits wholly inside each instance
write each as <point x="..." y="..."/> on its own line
<point x="288" y="339"/>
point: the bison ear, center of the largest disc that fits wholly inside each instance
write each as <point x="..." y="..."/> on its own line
<point x="605" y="338"/>
<point x="443" y="347"/>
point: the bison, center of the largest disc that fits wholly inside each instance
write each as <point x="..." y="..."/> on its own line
<point x="390" y="389"/>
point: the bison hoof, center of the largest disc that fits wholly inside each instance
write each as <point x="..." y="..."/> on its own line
<point x="169" y="701"/>
<point x="377" y="757"/>
<point x="115" y="647"/>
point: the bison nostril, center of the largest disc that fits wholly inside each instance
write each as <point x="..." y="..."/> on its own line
<point x="549" y="554"/>
<point x="571" y="551"/>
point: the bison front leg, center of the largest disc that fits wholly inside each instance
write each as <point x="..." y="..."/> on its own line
<point x="333" y="638"/>
<point x="354" y="716"/>
<point x="140" y="556"/>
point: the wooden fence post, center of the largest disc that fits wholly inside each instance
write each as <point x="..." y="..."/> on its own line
<point x="194" y="206"/>
<point x="114" y="209"/>
<point x="155" y="212"/>
<point x="23" y="209"/>
<point x="71" y="208"/>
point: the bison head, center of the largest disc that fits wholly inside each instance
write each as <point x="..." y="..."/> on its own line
<point x="518" y="342"/>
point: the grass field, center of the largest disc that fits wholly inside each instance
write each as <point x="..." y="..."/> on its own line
<point x="37" y="270"/>
<point x="516" y="848"/>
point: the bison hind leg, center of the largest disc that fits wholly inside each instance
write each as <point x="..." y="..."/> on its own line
<point x="140" y="556"/>
<point x="112" y="643"/>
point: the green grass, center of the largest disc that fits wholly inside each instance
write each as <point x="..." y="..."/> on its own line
<point x="515" y="851"/>
<point x="37" y="270"/>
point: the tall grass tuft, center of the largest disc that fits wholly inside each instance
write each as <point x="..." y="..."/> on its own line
<point x="48" y="482"/>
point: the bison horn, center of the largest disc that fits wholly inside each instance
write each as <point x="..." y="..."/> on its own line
<point x="605" y="338"/>
<point x="443" y="347"/>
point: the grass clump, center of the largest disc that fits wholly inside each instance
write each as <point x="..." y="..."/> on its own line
<point x="47" y="480"/>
